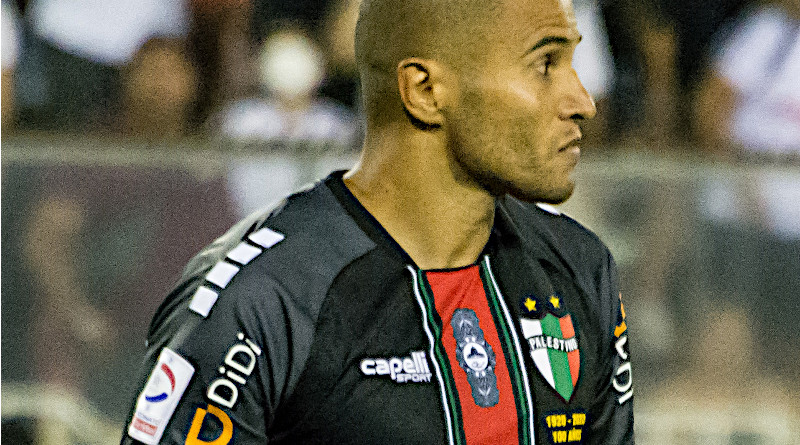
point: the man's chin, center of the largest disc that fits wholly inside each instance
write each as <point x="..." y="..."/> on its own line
<point x="553" y="197"/>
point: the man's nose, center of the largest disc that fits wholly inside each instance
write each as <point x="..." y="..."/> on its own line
<point x="577" y="103"/>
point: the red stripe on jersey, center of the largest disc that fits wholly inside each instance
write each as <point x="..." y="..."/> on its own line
<point x="463" y="289"/>
<point x="568" y="331"/>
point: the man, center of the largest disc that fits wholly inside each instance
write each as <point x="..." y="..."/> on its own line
<point x="415" y="298"/>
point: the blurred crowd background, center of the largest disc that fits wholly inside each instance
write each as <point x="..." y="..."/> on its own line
<point x="136" y="131"/>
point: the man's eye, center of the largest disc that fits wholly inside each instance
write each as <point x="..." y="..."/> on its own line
<point x="545" y="64"/>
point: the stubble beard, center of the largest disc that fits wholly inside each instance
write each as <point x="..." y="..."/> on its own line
<point x="555" y="197"/>
<point x="486" y="158"/>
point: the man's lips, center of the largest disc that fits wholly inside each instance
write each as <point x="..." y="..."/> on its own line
<point x="574" y="143"/>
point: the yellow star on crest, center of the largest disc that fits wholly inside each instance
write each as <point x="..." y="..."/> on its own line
<point x="554" y="301"/>
<point x="530" y="304"/>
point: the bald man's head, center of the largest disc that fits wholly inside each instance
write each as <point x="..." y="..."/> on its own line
<point x="454" y="32"/>
<point x="447" y="30"/>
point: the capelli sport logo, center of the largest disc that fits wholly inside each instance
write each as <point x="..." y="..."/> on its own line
<point x="412" y="369"/>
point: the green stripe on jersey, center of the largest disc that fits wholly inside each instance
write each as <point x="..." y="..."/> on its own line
<point x="444" y="363"/>
<point x="559" y="363"/>
<point x="509" y="350"/>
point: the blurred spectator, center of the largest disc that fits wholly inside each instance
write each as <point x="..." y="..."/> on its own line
<point x="69" y="73"/>
<point x="221" y="46"/>
<point x="309" y="15"/>
<point x="659" y="49"/>
<point x="748" y="108"/>
<point x="289" y="109"/>
<point x="341" y="83"/>
<point x="723" y="393"/>
<point x="159" y="88"/>
<point x="67" y="320"/>
<point x="693" y="25"/>
<point x="10" y="55"/>
<point x="226" y="38"/>
<point x="749" y="103"/>
<point x="86" y="250"/>
<point x="626" y="22"/>
<point x="330" y="24"/>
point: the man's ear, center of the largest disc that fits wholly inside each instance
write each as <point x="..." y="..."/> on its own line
<point x="423" y="90"/>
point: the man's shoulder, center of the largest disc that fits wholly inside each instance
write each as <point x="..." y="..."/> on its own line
<point x="307" y="228"/>
<point x="543" y="224"/>
<point x="291" y="253"/>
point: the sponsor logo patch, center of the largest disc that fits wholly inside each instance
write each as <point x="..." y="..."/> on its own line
<point x="623" y="377"/>
<point x="201" y="431"/>
<point x="553" y="341"/>
<point x="239" y="363"/>
<point x="160" y="397"/>
<point x="409" y="369"/>
<point x="476" y="357"/>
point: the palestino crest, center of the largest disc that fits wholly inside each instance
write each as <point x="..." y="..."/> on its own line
<point x="549" y="330"/>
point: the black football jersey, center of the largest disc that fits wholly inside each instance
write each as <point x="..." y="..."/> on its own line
<point x="309" y="324"/>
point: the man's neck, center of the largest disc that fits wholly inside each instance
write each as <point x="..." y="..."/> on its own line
<point x="439" y="220"/>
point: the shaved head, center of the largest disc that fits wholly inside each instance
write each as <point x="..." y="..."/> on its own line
<point x="447" y="30"/>
<point x="453" y="32"/>
<point x="465" y="101"/>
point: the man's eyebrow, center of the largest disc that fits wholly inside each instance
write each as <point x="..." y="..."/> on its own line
<point x="552" y="40"/>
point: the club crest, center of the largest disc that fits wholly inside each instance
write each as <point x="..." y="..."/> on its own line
<point x="476" y="357"/>
<point x="553" y="341"/>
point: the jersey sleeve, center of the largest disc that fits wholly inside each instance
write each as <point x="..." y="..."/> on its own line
<point x="613" y="408"/>
<point x="216" y="364"/>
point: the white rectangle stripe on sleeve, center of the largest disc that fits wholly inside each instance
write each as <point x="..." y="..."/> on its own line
<point x="266" y="238"/>
<point x="222" y="273"/>
<point x="203" y="300"/>
<point x="244" y="253"/>
<point x="157" y="402"/>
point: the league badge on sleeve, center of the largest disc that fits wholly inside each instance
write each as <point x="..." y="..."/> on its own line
<point x="549" y="330"/>
<point x="160" y="397"/>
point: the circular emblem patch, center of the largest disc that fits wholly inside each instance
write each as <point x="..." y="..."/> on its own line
<point x="476" y="357"/>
